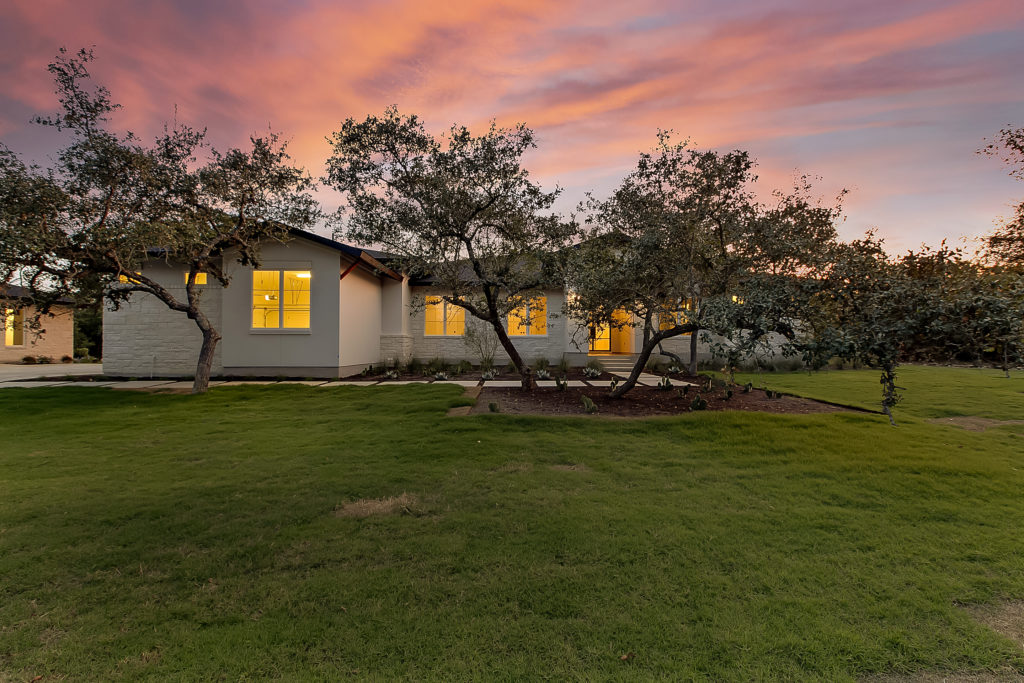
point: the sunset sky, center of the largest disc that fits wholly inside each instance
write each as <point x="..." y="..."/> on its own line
<point x="890" y="99"/>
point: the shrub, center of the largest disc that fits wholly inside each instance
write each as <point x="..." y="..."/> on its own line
<point x="728" y="394"/>
<point x="511" y="368"/>
<point x="29" y="360"/>
<point x="391" y="374"/>
<point x="614" y="383"/>
<point x="748" y="387"/>
<point x="684" y="391"/>
<point x="653" y="366"/>
<point x="493" y="407"/>
<point x="698" y="403"/>
<point x="588" y="405"/>
<point x="561" y="383"/>
<point x="675" y="369"/>
<point x="541" y="364"/>
<point x="665" y="384"/>
<point x="436" y="365"/>
<point x="463" y="367"/>
<point x="82" y="352"/>
<point x="591" y="373"/>
<point x="415" y="366"/>
<point x="441" y="375"/>
<point x="44" y="360"/>
<point x="543" y="374"/>
<point x="67" y="359"/>
<point x="563" y="365"/>
<point x="595" y="364"/>
<point x="488" y="375"/>
<point x="481" y="342"/>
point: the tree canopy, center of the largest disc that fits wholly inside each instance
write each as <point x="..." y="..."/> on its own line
<point x="110" y="203"/>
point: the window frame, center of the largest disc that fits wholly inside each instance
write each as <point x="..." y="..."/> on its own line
<point x="527" y="306"/>
<point x="281" y="269"/>
<point x="444" y="316"/>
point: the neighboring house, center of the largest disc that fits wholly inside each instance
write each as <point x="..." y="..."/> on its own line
<point x="320" y="308"/>
<point x="54" y="340"/>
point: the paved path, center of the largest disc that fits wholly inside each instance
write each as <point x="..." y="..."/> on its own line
<point x="10" y="372"/>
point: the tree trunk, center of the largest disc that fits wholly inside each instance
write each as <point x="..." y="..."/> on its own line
<point x="693" y="354"/>
<point x="638" y="367"/>
<point x="513" y="354"/>
<point x="205" y="364"/>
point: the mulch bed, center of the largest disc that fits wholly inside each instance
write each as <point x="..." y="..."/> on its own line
<point x="641" y="401"/>
<point x="503" y="374"/>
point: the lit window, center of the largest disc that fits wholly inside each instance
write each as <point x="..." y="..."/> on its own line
<point x="443" y="318"/>
<point x="14" y="327"/>
<point x="529" y="319"/>
<point x="738" y="300"/>
<point x="124" y="279"/>
<point x="669" y="318"/>
<point x="280" y="299"/>
<point x="200" y="278"/>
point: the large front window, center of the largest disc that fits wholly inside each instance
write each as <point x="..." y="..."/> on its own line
<point x="14" y="327"/>
<point x="529" y="319"/>
<point x="280" y="299"/>
<point x="443" y="318"/>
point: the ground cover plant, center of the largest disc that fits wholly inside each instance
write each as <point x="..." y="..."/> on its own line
<point x="317" y="533"/>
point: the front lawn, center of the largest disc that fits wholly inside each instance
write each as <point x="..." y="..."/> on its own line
<point x="171" y="536"/>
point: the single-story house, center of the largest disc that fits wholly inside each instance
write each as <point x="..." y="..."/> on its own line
<point x="54" y="340"/>
<point x="319" y="308"/>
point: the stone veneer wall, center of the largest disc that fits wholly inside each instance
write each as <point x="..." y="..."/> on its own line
<point x="56" y="340"/>
<point x="144" y="338"/>
<point x="395" y="348"/>
<point x="551" y="346"/>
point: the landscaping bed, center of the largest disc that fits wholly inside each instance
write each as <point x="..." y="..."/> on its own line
<point x="641" y="401"/>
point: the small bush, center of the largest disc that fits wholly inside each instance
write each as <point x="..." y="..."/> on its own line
<point x="561" y="383"/>
<point x="728" y="394"/>
<point x="675" y="369"/>
<point x="665" y="384"/>
<point x="44" y="360"/>
<point x="488" y="375"/>
<point x="595" y="364"/>
<point x="82" y="352"/>
<point x="748" y="387"/>
<point x="511" y="368"/>
<point x="591" y="373"/>
<point x="654" y="366"/>
<point x="441" y="376"/>
<point x="543" y="374"/>
<point x="588" y="405"/>
<point x="614" y="383"/>
<point x="563" y="365"/>
<point x="436" y="365"/>
<point x="684" y="391"/>
<point x="29" y="360"/>
<point x="698" y="403"/>
<point x="415" y="366"/>
<point x="493" y="407"/>
<point x="463" y="367"/>
<point x="541" y="364"/>
<point x="67" y="359"/>
<point x="391" y="374"/>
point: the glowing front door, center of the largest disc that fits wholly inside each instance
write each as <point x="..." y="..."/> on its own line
<point x="603" y="339"/>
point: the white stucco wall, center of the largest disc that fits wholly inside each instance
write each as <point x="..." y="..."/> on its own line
<point x="280" y="351"/>
<point x="145" y="338"/>
<point x="360" y="320"/>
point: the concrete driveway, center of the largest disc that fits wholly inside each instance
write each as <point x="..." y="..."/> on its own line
<point x="10" y="372"/>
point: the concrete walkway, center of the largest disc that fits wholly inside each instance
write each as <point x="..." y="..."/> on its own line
<point x="10" y="371"/>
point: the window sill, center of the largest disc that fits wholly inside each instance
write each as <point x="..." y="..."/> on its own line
<point x="279" y="330"/>
<point x="443" y="336"/>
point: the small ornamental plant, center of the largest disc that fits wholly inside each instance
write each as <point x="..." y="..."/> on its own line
<point x="698" y="403"/>
<point x="488" y="375"/>
<point x="591" y="373"/>
<point x="665" y="384"/>
<point x="588" y="405"/>
<point x="674" y="369"/>
<point x="748" y="387"/>
<point x="614" y="383"/>
<point x="543" y="374"/>
<point x="728" y="394"/>
<point x="391" y="374"/>
<point x="441" y="376"/>
<point x="493" y="407"/>
<point x="561" y="383"/>
<point x="684" y="391"/>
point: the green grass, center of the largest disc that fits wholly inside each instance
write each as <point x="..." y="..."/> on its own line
<point x="927" y="391"/>
<point x="171" y="536"/>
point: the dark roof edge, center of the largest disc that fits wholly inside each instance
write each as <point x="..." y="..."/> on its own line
<point x="356" y="253"/>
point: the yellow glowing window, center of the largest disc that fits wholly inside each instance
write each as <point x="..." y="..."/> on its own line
<point x="529" y="319"/>
<point x="200" y="278"/>
<point x="443" y="318"/>
<point x="124" y="279"/>
<point x="737" y="299"/>
<point x="14" y="327"/>
<point x="280" y="299"/>
<point x="669" y="318"/>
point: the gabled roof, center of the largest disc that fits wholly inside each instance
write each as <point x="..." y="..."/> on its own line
<point x="365" y="257"/>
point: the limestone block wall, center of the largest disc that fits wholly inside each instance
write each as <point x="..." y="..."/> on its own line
<point x="55" y="340"/>
<point x="145" y="338"/>
<point x="550" y="346"/>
